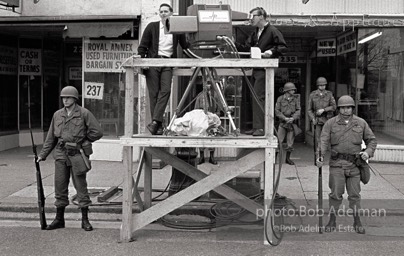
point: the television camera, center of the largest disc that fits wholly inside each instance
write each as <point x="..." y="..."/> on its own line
<point x="208" y="29"/>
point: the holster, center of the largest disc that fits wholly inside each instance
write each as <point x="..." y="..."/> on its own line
<point x="362" y="165"/>
<point x="364" y="169"/>
<point x="79" y="161"/>
<point x="71" y="148"/>
<point x="79" y="166"/>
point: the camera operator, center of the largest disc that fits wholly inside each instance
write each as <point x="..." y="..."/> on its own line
<point x="271" y="42"/>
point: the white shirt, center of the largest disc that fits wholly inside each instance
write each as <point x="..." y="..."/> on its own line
<point x="165" y="43"/>
<point x="260" y="30"/>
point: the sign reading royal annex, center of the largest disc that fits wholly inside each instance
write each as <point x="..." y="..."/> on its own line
<point x="107" y="55"/>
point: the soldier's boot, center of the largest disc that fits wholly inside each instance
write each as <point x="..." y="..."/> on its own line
<point x="59" y="221"/>
<point x="332" y="224"/>
<point x="358" y="225"/>
<point x="212" y="159"/>
<point x="85" y="224"/>
<point x="287" y="160"/>
<point x="201" y="156"/>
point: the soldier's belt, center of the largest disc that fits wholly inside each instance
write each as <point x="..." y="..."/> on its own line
<point x="347" y="157"/>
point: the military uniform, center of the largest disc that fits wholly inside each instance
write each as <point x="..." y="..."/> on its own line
<point x="346" y="140"/>
<point x="287" y="107"/>
<point x="79" y="127"/>
<point x="321" y="100"/>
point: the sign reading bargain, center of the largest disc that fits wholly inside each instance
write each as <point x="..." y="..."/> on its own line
<point x="107" y="55"/>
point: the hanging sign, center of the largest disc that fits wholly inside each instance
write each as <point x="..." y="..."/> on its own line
<point x="8" y="60"/>
<point x="346" y="43"/>
<point x="107" y="55"/>
<point x="94" y="90"/>
<point x="29" y="62"/>
<point x="326" y="47"/>
<point x="75" y="73"/>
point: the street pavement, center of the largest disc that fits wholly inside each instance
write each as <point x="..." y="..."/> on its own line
<point x="382" y="197"/>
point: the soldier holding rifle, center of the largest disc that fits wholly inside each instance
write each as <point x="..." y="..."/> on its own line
<point x="71" y="132"/>
<point x="321" y="107"/>
<point x="345" y="133"/>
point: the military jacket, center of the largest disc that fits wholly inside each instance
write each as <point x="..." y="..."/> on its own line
<point x="288" y="107"/>
<point x="318" y="100"/>
<point x="347" y="138"/>
<point x="81" y="125"/>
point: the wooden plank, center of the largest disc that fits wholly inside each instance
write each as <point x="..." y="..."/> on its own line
<point x="148" y="170"/>
<point x="269" y="102"/>
<point x="197" y="175"/>
<point x="228" y="171"/>
<point x="208" y="63"/>
<point x="136" y="183"/>
<point x="184" y="141"/>
<point x="103" y="197"/>
<point x="220" y="72"/>
<point x="127" y="198"/>
<point x="129" y="101"/>
<point x="268" y="187"/>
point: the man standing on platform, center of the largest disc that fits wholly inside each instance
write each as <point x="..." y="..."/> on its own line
<point x="155" y="43"/>
<point x="321" y="107"/>
<point x="287" y="109"/>
<point x="271" y="42"/>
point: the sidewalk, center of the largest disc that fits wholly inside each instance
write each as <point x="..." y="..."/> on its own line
<point x="18" y="192"/>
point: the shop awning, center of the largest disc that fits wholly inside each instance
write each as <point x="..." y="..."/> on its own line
<point x="107" y="29"/>
<point x="73" y="28"/>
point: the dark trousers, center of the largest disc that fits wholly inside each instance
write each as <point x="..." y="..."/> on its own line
<point x="62" y="178"/>
<point x="258" y="81"/>
<point x="338" y="180"/>
<point x="158" y="82"/>
<point x="290" y="137"/>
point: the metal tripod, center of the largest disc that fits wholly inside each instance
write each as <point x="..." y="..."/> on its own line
<point x="207" y="77"/>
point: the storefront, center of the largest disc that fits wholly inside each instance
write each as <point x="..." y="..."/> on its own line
<point x="37" y="59"/>
<point x="361" y="57"/>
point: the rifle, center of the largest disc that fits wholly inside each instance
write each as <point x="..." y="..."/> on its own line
<point x="320" y="182"/>
<point x="40" y="192"/>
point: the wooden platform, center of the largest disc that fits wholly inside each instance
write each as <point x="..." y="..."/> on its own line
<point x="262" y="150"/>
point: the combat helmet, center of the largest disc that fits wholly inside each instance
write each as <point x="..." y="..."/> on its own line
<point x="346" y="101"/>
<point x="321" y="81"/>
<point x="69" y="91"/>
<point x="289" y="86"/>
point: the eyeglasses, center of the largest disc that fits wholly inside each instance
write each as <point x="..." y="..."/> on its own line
<point x="253" y="15"/>
<point x="164" y="11"/>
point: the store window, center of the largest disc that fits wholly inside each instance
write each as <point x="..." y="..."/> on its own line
<point x="8" y="85"/>
<point x="379" y="88"/>
<point x="104" y="82"/>
<point x="30" y="70"/>
<point x="52" y="73"/>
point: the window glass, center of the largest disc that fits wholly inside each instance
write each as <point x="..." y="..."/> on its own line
<point x="8" y="85"/>
<point x="30" y="70"/>
<point x="380" y="82"/>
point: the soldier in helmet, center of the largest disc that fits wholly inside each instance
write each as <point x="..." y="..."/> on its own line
<point x="73" y="128"/>
<point x="321" y="107"/>
<point x="287" y="109"/>
<point x="345" y="133"/>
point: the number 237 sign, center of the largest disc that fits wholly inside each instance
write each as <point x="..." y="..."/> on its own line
<point x="94" y="90"/>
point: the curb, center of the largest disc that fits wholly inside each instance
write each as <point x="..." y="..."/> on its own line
<point x="194" y="208"/>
